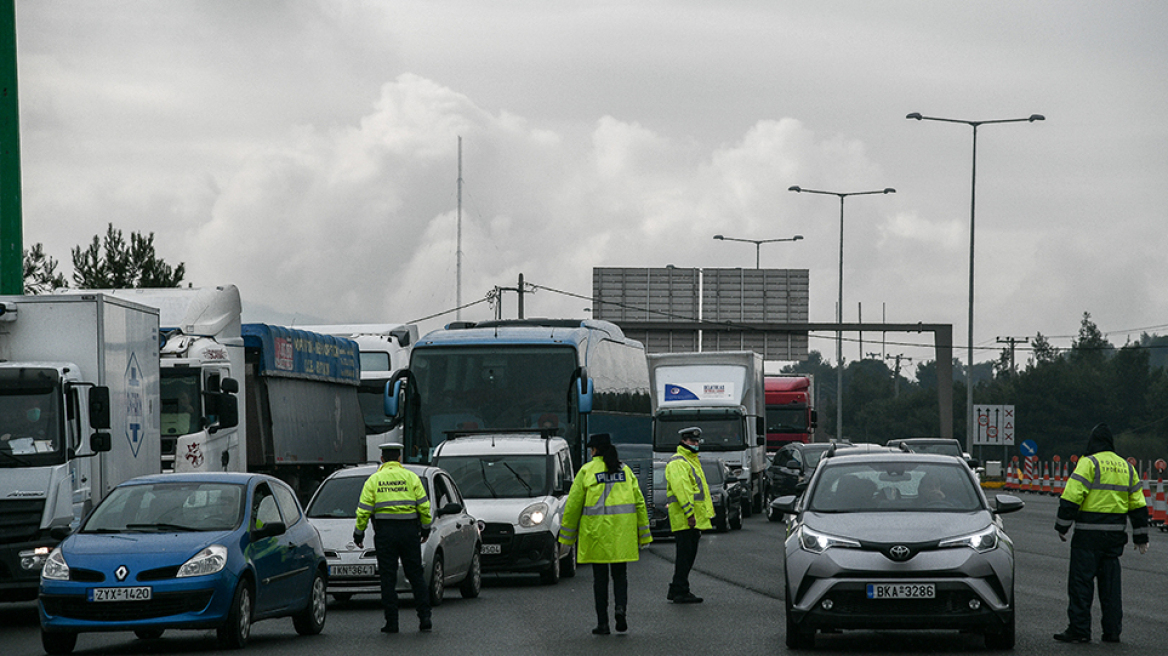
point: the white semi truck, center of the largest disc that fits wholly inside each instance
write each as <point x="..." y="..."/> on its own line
<point x="79" y="414"/>
<point x="723" y="394"/>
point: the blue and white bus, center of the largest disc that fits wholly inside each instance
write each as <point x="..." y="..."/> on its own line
<point x="571" y="378"/>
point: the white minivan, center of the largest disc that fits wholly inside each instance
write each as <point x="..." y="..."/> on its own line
<point x="516" y="485"/>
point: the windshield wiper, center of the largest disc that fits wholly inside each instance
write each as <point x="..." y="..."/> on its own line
<point x="519" y="478"/>
<point x="19" y="461"/>
<point x="161" y="527"/>
<point x="483" y="469"/>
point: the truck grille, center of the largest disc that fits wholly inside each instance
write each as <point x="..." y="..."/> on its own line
<point x="20" y="519"/>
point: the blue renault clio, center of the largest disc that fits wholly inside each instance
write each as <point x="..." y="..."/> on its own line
<point x="186" y="551"/>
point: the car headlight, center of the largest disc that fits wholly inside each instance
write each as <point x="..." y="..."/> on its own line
<point x="208" y="561"/>
<point x="533" y="515"/>
<point x="55" y="569"/>
<point x="817" y="542"/>
<point x="981" y="542"/>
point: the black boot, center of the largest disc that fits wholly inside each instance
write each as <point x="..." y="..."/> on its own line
<point x="621" y="624"/>
<point x="601" y="629"/>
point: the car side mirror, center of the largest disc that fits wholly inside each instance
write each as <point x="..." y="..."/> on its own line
<point x="784" y="505"/>
<point x="1007" y="503"/>
<point x="452" y="508"/>
<point x="268" y="530"/>
<point x="801" y="487"/>
<point x="793" y="464"/>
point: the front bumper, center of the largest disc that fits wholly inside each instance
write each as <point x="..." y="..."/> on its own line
<point x="198" y="603"/>
<point x="517" y="552"/>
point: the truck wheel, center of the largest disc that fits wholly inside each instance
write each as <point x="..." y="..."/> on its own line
<point x="437" y="582"/>
<point x="310" y="621"/>
<point x="736" y="518"/>
<point x="473" y="582"/>
<point x="237" y="629"/>
<point x="58" y="643"/>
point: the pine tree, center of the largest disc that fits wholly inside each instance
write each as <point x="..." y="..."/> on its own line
<point x="110" y="263"/>
<point x="40" y="272"/>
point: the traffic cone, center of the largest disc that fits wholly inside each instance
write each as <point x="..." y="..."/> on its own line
<point x="1045" y="478"/>
<point x="1059" y="479"/>
<point x="1160" y="508"/>
<point x="1147" y="482"/>
<point x="1011" y="482"/>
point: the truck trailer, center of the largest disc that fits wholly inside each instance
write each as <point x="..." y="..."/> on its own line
<point x="303" y="421"/>
<point x="79" y="414"/>
<point x="722" y="393"/>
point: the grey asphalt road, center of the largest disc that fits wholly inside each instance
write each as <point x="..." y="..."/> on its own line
<point x="739" y="574"/>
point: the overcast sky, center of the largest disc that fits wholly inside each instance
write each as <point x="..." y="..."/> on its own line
<point x="307" y="151"/>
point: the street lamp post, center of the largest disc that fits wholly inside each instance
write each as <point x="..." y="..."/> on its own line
<point x="839" y="308"/>
<point x="757" y="243"/>
<point x="969" y="419"/>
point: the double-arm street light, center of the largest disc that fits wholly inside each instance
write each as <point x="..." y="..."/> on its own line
<point x="839" y="308"/>
<point x="757" y="243"/>
<point x="969" y="419"/>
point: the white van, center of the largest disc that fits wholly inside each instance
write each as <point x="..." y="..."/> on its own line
<point x="516" y="485"/>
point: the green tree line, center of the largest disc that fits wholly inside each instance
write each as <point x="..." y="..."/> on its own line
<point x="107" y="262"/>
<point x="1058" y="395"/>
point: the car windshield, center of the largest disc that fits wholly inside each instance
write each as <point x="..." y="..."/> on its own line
<point x="338" y="497"/>
<point x="498" y="477"/>
<point x="168" y="507"/>
<point x="893" y="486"/>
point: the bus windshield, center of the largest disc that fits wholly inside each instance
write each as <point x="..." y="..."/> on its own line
<point x="477" y="388"/>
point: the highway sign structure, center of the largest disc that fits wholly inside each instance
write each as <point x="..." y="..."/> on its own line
<point x="995" y="425"/>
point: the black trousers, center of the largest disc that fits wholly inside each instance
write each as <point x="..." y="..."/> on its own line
<point x="687" y="552"/>
<point x="401" y="539"/>
<point x="620" y="588"/>
<point x="1088" y="567"/>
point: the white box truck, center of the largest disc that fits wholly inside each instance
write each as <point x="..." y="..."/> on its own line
<point x="79" y="414"/>
<point x="723" y="394"/>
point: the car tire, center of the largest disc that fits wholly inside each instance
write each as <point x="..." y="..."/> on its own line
<point x="310" y="621"/>
<point x="551" y="575"/>
<point x="721" y="524"/>
<point x="237" y="629"/>
<point x="568" y="564"/>
<point x="437" y="581"/>
<point x="747" y="504"/>
<point x="58" y="643"/>
<point x="148" y="634"/>
<point x="736" y="519"/>
<point x="473" y="583"/>
<point x="1002" y="638"/>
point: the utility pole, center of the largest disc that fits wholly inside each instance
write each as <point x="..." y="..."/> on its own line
<point x="519" y="289"/>
<point x="1013" y="341"/>
<point x="458" y="243"/>
<point x="896" y="372"/>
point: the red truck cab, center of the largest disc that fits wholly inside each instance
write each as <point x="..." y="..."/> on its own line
<point x="790" y="411"/>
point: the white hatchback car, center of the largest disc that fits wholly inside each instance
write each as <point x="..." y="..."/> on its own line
<point x="450" y="556"/>
<point x="517" y="485"/>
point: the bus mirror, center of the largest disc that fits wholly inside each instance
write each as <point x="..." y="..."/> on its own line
<point x="99" y="407"/>
<point x="229" y="385"/>
<point x="584" y="389"/>
<point x="392" y="394"/>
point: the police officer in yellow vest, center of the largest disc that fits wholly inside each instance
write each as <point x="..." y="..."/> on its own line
<point x="607" y="518"/>
<point x="690" y="510"/>
<point x="1102" y="495"/>
<point x="394" y="497"/>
